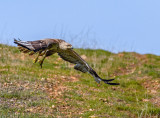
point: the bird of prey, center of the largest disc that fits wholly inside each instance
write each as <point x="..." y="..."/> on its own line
<point x="47" y="47"/>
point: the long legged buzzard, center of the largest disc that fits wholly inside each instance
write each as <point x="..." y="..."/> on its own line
<point x="47" y="47"/>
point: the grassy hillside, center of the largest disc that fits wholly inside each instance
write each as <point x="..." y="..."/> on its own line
<point x="59" y="90"/>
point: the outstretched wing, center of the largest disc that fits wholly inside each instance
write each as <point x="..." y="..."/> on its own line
<point x="72" y="57"/>
<point x="81" y="65"/>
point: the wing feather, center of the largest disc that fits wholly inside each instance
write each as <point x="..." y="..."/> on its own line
<point x="72" y="57"/>
<point x="81" y="65"/>
<point x="38" y="44"/>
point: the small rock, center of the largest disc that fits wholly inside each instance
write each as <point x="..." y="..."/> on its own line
<point x="42" y="79"/>
<point x="153" y="91"/>
<point x="145" y="100"/>
<point x="53" y="106"/>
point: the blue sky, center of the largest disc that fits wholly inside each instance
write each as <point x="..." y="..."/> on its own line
<point x="114" y="25"/>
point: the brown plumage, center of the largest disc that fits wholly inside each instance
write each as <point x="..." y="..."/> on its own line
<point x="47" y="47"/>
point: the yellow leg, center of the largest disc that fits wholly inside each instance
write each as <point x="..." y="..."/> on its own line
<point x="42" y="53"/>
<point x="41" y="61"/>
<point x="36" y="59"/>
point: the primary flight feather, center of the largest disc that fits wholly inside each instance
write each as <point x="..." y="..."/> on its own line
<point x="47" y="47"/>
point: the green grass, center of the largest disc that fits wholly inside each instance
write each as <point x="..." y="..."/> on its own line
<point x="59" y="90"/>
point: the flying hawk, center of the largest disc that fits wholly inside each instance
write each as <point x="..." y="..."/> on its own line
<point x="47" y="47"/>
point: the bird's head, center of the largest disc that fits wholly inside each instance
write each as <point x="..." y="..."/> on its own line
<point x="65" y="46"/>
